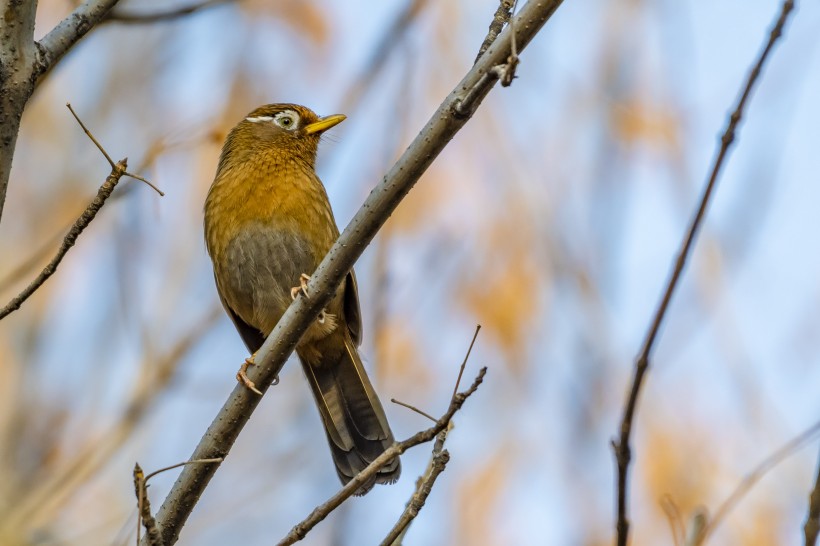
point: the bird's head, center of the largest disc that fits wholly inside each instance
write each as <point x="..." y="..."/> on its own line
<point x="287" y="129"/>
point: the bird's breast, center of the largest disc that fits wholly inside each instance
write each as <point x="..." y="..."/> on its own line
<point x="265" y="225"/>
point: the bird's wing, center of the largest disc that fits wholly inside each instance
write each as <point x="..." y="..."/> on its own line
<point x="353" y="315"/>
<point x="252" y="337"/>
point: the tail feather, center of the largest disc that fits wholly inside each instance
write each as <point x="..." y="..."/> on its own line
<point x="354" y="420"/>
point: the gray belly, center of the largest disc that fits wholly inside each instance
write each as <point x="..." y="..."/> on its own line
<point x="261" y="267"/>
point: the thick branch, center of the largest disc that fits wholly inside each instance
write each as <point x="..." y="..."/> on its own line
<point x="621" y="447"/>
<point x="17" y="54"/>
<point x="380" y="204"/>
<point x="69" y="31"/>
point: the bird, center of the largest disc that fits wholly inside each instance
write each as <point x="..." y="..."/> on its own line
<point x="268" y="224"/>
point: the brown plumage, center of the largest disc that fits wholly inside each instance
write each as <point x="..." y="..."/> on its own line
<point x="267" y="222"/>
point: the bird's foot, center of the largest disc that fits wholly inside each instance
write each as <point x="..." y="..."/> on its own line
<point x="303" y="287"/>
<point x="242" y="375"/>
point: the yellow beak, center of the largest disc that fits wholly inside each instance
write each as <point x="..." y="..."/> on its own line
<point x="325" y="123"/>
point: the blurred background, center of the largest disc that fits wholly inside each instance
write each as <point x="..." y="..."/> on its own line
<point x="552" y="220"/>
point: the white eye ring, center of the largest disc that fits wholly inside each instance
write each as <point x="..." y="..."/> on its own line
<point x="287" y="120"/>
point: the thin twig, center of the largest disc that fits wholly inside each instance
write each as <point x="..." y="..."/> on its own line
<point x="156" y="17"/>
<point x="755" y="475"/>
<point x="812" y="526"/>
<point x="118" y="170"/>
<point x="91" y="136"/>
<point x="152" y="534"/>
<point x="464" y="362"/>
<point x="500" y="18"/>
<point x="621" y="446"/>
<point x="424" y="485"/>
<point x="414" y="408"/>
<point x="320" y="512"/>
<point x="173" y="466"/>
<point x="108" y="157"/>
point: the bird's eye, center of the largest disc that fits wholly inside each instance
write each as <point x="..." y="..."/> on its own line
<point x="287" y="120"/>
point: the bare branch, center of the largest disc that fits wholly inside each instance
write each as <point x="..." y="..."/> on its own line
<point x="424" y="486"/>
<point x="621" y="446"/>
<point x="320" y="512"/>
<point x="413" y="408"/>
<point x="152" y="535"/>
<point x="379" y="205"/>
<point x="161" y="16"/>
<point x="69" y="31"/>
<point x="466" y="357"/>
<point x="500" y="18"/>
<point x="118" y="170"/>
<point x="17" y="55"/>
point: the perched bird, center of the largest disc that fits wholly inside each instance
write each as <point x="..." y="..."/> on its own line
<point x="268" y="224"/>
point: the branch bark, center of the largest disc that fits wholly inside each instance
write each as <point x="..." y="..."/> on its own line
<point x="17" y="56"/>
<point x="451" y="116"/>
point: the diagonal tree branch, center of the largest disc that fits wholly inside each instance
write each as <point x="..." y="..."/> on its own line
<point x="621" y="447"/>
<point x="451" y="116"/>
<point x="69" y="31"/>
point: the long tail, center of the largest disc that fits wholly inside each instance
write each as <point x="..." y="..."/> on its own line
<point x="354" y="419"/>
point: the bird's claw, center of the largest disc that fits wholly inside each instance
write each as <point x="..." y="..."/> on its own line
<point x="303" y="287"/>
<point x="242" y="375"/>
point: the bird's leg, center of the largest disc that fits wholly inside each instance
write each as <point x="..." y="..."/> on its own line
<point x="303" y="286"/>
<point x="242" y="375"/>
<point x="324" y="316"/>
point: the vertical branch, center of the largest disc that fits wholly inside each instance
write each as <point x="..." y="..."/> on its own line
<point x="621" y="446"/>
<point x="17" y="54"/>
